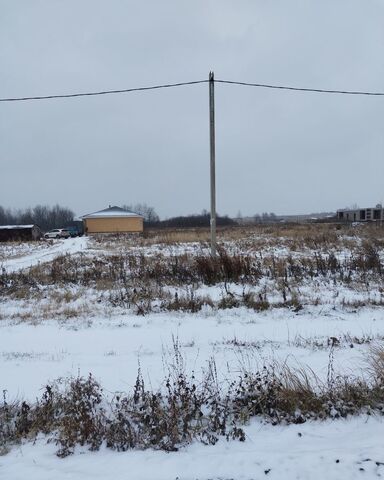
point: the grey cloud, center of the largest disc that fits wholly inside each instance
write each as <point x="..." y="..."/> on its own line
<point x="276" y="151"/>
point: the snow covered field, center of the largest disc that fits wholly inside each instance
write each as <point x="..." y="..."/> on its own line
<point x="348" y="449"/>
<point x="67" y="330"/>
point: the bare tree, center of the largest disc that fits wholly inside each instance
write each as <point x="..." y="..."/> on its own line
<point x="44" y="216"/>
<point x="149" y="213"/>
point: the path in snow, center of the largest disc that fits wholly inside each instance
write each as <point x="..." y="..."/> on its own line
<point x="59" y="247"/>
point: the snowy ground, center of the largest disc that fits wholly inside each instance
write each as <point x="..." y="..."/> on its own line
<point x="23" y="256"/>
<point x="336" y="450"/>
<point x="110" y="344"/>
<point x="111" y="348"/>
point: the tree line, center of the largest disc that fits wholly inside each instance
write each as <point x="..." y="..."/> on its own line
<point x="44" y="216"/>
<point x="152" y="219"/>
<point x="149" y="213"/>
<point x="192" y="221"/>
<point x="47" y="217"/>
<point x="266" y="218"/>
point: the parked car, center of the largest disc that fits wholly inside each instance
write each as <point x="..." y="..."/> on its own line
<point x="73" y="231"/>
<point x="57" y="233"/>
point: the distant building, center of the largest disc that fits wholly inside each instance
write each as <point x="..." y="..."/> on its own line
<point x="19" y="232"/>
<point x="112" y="220"/>
<point x="361" y="214"/>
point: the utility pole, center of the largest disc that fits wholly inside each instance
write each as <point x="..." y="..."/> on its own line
<point x="212" y="157"/>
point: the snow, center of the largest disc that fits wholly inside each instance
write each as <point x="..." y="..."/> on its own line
<point x="110" y="344"/>
<point x="111" y="212"/>
<point x="31" y="354"/>
<point x="339" y="449"/>
<point x="53" y="249"/>
<point x="11" y="227"/>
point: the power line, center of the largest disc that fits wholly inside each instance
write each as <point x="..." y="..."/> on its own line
<point x="181" y="84"/>
<point x="301" y="89"/>
<point x="103" y="92"/>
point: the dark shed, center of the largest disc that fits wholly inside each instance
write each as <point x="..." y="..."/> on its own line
<point x="19" y="232"/>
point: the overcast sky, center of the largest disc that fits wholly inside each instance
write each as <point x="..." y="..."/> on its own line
<point x="277" y="151"/>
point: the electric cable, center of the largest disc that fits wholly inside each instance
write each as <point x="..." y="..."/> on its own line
<point x="103" y="92"/>
<point x="301" y="89"/>
<point x="181" y="84"/>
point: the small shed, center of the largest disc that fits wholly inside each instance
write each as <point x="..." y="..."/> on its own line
<point x="113" y="220"/>
<point x="19" y="232"/>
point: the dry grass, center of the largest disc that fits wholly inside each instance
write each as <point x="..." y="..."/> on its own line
<point x="294" y="234"/>
<point x="376" y="362"/>
<point x="283" y="266"/>
<point x="76" y="412"/>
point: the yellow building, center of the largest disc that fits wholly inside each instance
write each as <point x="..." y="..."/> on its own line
<point x="112" y="220"/>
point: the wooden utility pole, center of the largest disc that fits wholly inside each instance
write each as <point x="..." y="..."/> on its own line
<point x="212" y="157"/>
